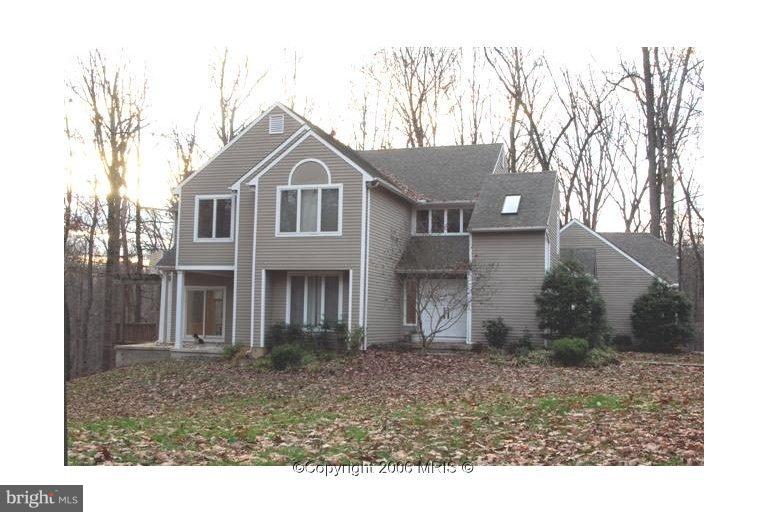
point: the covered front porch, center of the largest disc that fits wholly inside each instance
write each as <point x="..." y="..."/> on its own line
<point x="310" y="299"/>
<point x="196" y="308"/>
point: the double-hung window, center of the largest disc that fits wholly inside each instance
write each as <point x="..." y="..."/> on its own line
<point x="213" y="218"/>
<point x="309" y="210"/>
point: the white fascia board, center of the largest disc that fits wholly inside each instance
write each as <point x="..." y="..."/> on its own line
<point x="597" y="235"/>
<point x="504" y="230"/>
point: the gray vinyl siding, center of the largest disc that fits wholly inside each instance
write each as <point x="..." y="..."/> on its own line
<point x="244" y="267"/>
<point x="216" y="178"/>
<point x="390" y="221"/>
<point x="305" y="253"/>
<point x="620" y="280"/>
<point x="515" y="281"/>
<point x="553" y="227"/>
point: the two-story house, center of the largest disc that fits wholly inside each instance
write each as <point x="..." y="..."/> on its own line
<point x="287" y="225"/>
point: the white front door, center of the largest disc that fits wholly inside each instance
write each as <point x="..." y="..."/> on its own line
<point x="451" y="326"/>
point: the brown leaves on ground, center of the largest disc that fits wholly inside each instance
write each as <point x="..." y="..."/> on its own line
<point x="382" y="406"/>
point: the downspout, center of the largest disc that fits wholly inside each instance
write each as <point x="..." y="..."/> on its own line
<point x="364" y="297"/>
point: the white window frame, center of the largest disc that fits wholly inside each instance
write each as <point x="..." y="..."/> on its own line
<point x="216" y="198"/>
<point x="304" y="275"/>
<point x="281" y="117"/>
<point x="405" y="306"/>
<point x="445" y="232"/>
<point x="547" y="253"/>
<point x="213" y="337"/>
<point x="300" y="188"/>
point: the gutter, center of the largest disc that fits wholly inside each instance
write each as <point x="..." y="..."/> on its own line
<point x="375" y="183"/>
<point x="503" y="230"/>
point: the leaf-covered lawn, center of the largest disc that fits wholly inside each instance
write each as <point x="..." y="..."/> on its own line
<point x="383" y="406"/>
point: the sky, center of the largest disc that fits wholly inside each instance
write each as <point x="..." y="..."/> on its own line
<point x="178" y="80"/>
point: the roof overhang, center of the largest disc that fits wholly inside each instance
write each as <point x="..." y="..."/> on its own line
<point x="507" y="230"/>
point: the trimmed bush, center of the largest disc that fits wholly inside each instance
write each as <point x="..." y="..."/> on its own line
<point x="286" y="356"/>
<point x="570" y="351"/>
<point x="601" y="356"/>
<point x="661" y="319"/>
<point x="570" y="304"/>
<point x="495" y="332"/>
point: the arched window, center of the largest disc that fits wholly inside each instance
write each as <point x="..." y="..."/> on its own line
<point x="310" y="172"/>
<point x="309" y="205"/>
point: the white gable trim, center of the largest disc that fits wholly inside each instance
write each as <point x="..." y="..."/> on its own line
<point x="242" y="132"/>
<point x="296" y="144"/>
<point x="286" y="142"/>
<point x="597" y="235"/>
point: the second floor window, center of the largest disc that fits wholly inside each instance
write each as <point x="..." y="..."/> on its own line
<point x="442" y="221"/>
<point x="309" y="210"/>
<point x="213" y="218"/>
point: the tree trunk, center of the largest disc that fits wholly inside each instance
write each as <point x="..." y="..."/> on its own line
<point x="669" y="193"/>
<point x="82" y="356"/>
<point x="113" y="257"/>
<point x="139" y="264"/>
<point x="650" y="119"/>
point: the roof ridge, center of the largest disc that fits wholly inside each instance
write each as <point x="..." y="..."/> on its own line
<point x="442" y="146"/>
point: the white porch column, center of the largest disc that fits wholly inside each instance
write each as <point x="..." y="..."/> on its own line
<point x="163" y="308"/>
<point x="179" y="307"/>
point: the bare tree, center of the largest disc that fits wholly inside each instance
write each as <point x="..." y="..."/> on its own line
<point x="233" y="86"/>
<point x="115" y="103"/>
<point x="435" y="283"/>
<point x="94" y="213"/>
<point x="470" y="104"/>
<point x="678" y="100"/>
<point x="421" y="77"/>
<point x="583" y="172"/>
<point x="629" y="185"/>
<point x="371" y="103"/>
<point x="521" y="75"/>
<point x="651" y="145"/>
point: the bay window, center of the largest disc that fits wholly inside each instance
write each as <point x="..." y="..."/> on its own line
<point x="309" y="210"/>
<point x="213" y="218"/>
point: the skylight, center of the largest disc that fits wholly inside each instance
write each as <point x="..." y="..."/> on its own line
<point x="511" y="204"/>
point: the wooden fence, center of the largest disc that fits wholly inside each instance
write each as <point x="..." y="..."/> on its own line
<point x="136" y="332"/>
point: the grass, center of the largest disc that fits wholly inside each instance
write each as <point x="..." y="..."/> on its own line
<point x="388" y="407"/>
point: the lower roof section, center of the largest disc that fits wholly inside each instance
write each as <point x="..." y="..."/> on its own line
<point x="448" y="254"/>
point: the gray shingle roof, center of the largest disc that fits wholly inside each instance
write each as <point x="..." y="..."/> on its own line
<point x="168" y="259"/>
<point x="435" y="253"/>
<point x="353" y="155"/>
<point x="654" y="254"/>
<point x="443" y="173"/>
<point x="536" y="190"/>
